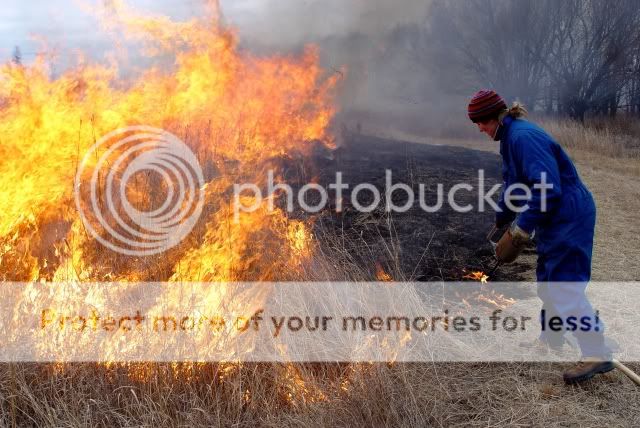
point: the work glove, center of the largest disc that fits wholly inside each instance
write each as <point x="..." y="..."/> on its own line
<point x="519" y="236"/>
<point x="511" y="244"/>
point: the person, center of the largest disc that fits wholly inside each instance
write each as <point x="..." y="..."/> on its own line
<point x="562" y="218"/>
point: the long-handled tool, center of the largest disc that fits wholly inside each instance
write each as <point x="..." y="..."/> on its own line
<point x="627" y="371"/>
<point x="490" y="234"/>
<point x="493" y="244"/>
<point x="494" y="268"/>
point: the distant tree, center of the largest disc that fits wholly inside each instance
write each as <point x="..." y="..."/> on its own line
<point x="634" y="89"/>
<point x="569" y="57"/>
<point x="633" y="86"/>
<point x="17" y="56"/>
<point x="593" y="43"/>
<point x="496" y="43"/>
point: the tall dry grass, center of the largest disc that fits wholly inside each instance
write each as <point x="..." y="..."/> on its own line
<point x="604" y="144"/>
<point x="617" y="138"/>
<point x="314" y="394"/>
<point x="479" y="394"/>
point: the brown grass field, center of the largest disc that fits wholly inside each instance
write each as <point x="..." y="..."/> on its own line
<point x="438" y="394"/>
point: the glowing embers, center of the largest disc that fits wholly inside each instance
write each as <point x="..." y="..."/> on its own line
<point x="477" y="276"/>
<point x="381" y="274"/>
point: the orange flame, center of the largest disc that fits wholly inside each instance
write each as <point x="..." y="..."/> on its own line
<point x="237" y="111"/>
<point x="477" y="276"/>
<point x="381" y="274"/>
<point x="234" y="109"/>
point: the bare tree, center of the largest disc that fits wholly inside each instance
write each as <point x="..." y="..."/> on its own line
<point x="590" y="53"/>
<point x="569" y="57"/>
<point x="634" y="84"/>
<point x="498" y="43"/>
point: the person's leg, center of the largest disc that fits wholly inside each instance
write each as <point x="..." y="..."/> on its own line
<point x="569" y="272"/>
<point x="571" y="304"/>
<point x="551" y="338"/>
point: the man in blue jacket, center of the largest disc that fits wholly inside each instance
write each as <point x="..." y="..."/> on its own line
<point x="561" y="212"/>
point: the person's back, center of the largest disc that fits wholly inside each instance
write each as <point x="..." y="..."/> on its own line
<point x="536" y="135"/>
<point x="533" y="158"/>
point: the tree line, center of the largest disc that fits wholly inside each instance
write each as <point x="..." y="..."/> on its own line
<point x="561" y="57"/>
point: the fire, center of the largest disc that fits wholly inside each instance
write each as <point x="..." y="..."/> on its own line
<point x="477" y="276"/>
<point x="236" y="251"/>
<point x="381" y="274"/>
<point x="237" y="111"/>
<point x="297" y="390"/>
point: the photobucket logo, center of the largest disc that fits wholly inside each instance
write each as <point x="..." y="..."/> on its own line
<point x="118" y="162"/>
<point x="396" y="197"/>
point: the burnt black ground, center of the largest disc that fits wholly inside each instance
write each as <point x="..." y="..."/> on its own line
<point x="414" y="245"/>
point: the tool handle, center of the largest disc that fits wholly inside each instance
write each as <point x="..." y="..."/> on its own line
<point x="491" y="232"/>
<point x="626" y="370"/>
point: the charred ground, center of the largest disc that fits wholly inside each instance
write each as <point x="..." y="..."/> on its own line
<point x="413" y="245"/>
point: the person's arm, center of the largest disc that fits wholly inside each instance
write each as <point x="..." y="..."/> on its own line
<point x="539" y="166"/>
<point x="504" y="215"/>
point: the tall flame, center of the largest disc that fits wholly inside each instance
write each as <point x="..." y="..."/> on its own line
<point x="234" y="109"/>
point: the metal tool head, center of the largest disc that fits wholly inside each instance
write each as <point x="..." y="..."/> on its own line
<point x="493" y="243"/>
<point x="494" y="268"/>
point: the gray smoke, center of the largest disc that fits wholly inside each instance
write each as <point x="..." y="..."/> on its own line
<point x="380" y="43"/>
<point x="287" y="23"/>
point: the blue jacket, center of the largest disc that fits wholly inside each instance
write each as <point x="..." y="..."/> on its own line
<point x="564" y="230"/>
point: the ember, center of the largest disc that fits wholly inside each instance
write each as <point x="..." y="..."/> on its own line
<point x="477" y="276"/>
<point x="381" y="274"/>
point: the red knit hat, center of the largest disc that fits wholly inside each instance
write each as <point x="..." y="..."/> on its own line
<point x="484" y="105"/>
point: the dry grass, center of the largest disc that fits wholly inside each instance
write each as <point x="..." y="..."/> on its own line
<point x="614" y="140"/>
<point x="361" y="394"/>
<point x="616" y="253"/>
<point x="425" y="394"/>
<point x="612" y="147"/>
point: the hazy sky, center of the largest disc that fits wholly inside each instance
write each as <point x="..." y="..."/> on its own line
<point x="66" y="26"/>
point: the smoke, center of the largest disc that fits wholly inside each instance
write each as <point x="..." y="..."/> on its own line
<point x="379" y="43"/>
<point x="287" y="23"/>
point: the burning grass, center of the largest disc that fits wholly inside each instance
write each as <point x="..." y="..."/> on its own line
<point x="236" y="111"/>
<point x="324" y="394"/>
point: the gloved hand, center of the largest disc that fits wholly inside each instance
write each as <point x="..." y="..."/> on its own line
<point x="511" y="244"/>
<point x="520" y="237"/>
